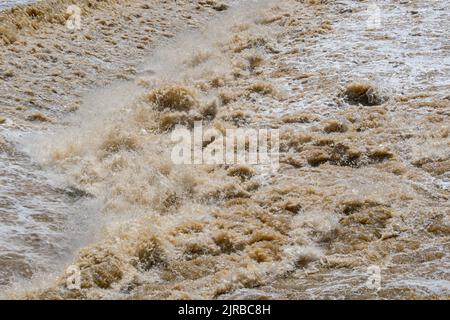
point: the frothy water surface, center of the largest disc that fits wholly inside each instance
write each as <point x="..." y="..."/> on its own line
<point x="172" y="240"/>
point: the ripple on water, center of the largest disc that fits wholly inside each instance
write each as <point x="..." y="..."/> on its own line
<point x="5" y="4"/>
<point x="35" y="222"/>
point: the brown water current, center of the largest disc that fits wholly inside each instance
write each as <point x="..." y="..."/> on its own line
<point x="360" y="95"/>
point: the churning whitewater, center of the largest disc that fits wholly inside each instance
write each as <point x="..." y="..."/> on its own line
<point x="93" y="205"/>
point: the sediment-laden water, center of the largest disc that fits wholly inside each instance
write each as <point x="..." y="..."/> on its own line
<point x="5" y="4"/>
<point x="360" y="95"/>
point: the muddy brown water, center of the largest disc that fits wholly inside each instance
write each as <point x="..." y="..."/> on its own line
<point x="315" y="229"/>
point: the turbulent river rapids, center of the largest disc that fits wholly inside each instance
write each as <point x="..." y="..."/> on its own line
<point x="358" y="207"/>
